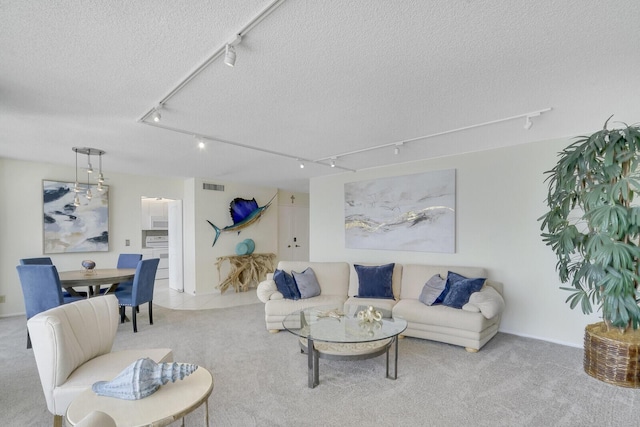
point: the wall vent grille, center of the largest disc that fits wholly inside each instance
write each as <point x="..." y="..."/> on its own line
<point x="213" y="187"/>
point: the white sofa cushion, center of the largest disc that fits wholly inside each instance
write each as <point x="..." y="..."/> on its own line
<point x="488" y="302"/>
<point x="413" y="311"/>
<point x="268" y="290"/>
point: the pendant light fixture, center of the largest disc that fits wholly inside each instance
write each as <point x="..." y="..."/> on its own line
<point x="88" y="194"/>
<point x="100" y="176"/>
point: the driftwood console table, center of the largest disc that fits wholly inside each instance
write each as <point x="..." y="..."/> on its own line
<point x="245" y="270"/>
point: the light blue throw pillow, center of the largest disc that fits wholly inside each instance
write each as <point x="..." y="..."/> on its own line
<point x="432" y="289"/>
<point x="307" y="283"/>
<point x="460" y="289"/>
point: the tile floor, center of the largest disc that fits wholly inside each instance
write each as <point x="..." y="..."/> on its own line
<point x="169" y="298"/>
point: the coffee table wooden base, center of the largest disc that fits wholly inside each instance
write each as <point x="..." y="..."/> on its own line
<point x="171" y="402"/>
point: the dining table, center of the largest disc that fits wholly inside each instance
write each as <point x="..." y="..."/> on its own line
<point x="94" y="279"/>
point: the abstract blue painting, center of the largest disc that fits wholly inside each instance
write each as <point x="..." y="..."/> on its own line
<point x="70" y="228"/>
<point x="404" y="213"/>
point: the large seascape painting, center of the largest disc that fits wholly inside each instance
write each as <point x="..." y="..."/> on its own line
<point x="406" y="213"/>
<point x="69" y="228"/>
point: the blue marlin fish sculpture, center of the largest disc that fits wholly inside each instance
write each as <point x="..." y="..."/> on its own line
<point x="243" y="213"/>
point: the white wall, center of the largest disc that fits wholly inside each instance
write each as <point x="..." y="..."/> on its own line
<point x="21" y="223"/>
<point x="214" y="206"/>
<point x="21" y="210"/>
<point x="499" y="197"/>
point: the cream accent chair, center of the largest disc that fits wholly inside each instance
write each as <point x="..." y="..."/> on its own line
<point x="72" y="346"/>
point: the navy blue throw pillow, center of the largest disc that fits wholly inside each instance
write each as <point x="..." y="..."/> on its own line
<point x="460" y="289"/>
<point x="286" y="285"/>
<point x="375" y="282"/>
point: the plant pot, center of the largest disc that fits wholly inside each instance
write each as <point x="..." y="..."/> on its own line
<point x="612" y="356"/>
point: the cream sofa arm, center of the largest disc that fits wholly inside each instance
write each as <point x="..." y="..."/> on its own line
<point x="267" y="290"/>
<point x="487" y="301"/>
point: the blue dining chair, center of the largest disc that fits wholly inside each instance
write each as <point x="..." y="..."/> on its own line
<point x="128" y="260"/>
<point x="140" y="292"/>
<point x="47" y="261"/>
<point x="36" y="261"/>
<point x="125" y="261"/>
<point x="41" y="289"/>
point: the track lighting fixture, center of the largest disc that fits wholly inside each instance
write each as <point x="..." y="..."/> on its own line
<point x="301" y="163"/>
<point x="333" y="162"/>
<point x="230" y="51"/>
<point x="396" y="150"/>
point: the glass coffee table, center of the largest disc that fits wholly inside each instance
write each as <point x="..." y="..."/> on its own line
<point x="336" y="332"/>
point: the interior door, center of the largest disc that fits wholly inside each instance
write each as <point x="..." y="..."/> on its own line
<point x="293" y="226"/>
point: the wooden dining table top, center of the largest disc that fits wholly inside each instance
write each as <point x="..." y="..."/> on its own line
<point x="98" y="276"/>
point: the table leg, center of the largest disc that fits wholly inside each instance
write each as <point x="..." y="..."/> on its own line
<point x="112" y="288"/>
<point x="206" y="413"/>
<point x="312" y="361"/>
<point x="395" y="363"/>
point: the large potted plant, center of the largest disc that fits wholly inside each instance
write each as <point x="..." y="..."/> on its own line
<point x="593" y="226"/>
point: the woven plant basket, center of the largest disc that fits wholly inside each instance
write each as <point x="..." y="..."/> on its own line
<point x="611" y="356"/>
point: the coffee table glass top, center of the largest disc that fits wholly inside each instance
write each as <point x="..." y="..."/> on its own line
<point x="340" y="324"/>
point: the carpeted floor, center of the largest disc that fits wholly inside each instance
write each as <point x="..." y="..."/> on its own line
<point x="261" y="379"/>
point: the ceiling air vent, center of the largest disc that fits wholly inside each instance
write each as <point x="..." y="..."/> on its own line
<point x="213" y="187"/>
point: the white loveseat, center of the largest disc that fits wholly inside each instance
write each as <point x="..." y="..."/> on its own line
<point x="470" y="327"/>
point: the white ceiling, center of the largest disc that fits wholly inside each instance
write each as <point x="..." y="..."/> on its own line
<point x="313" y="80"/>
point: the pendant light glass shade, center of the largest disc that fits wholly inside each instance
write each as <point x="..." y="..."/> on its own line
<point x="77" y="188"/>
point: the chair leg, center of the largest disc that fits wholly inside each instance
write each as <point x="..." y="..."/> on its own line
<point x="150" y="314"/>
<point x="133" y="319"/>
<point x="28" y="340"/>
<point x="57" y="421"/>
<point x="122" y="314"/>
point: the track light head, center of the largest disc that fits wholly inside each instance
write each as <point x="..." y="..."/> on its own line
<point x="301" y="165"/>
<point x="333" y="163"/>
<point x="230" y="55"/>
<point x="527" y="122"/>
<point x="200" y="142"/>
<point x="230" y="51"/>
<point x="156" y="116"/>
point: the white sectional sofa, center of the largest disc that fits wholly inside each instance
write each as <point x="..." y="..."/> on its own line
<point x="471" y="327"/>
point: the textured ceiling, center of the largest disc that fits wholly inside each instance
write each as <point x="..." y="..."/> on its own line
<point x="313" y="80"/>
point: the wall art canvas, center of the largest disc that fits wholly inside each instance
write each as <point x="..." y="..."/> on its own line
<point x="405" y="213"/>
<point x="69" y="228"/>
